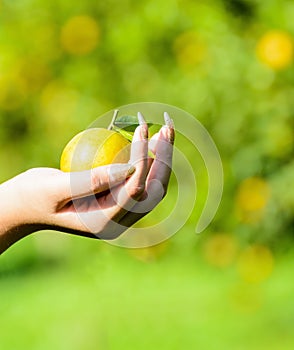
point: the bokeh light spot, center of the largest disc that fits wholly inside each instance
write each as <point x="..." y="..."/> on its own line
<point x="58" y="105"/>
<point x="80" y="35"/>
<point x="13" y="91"/>
<point x="189" y="50"/>
<point x="252" y="197"/>
<point x="34" y="73"/>
<point x="149" y="254"/>
<point x="255" y="263"/>
<point x="220" y="249"/>
<point x="275" y="49"/>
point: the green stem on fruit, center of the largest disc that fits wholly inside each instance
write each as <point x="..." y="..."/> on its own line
<point x="115" y="114"/>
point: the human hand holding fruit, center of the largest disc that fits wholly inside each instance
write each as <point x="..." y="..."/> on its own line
<point x="100" y="203"/>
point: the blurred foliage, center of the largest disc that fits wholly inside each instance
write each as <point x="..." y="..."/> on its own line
<point x="229" y="63"/>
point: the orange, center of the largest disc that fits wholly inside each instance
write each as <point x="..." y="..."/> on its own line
<point x="94" y="147"/>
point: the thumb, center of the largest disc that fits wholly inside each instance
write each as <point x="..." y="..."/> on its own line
<point x="89" y="182"/>
<point x="153" y="143"/>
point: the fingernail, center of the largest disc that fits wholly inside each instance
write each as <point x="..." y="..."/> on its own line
<point x="131" y="170"/>
<point x="144" y="131"/>
<point x="141" y="119"/>
<point x="119" y="172"/>
<point x="168" y="121"/>
<point x="143" y="125"/>
<point x="169" y="124"/>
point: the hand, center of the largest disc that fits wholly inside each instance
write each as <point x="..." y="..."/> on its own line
<point x="99" y="203"/>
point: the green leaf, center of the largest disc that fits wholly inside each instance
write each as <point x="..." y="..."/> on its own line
<point x="126" y="122"/>
<point x="126" y="134"/>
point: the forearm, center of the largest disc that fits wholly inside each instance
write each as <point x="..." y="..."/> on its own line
<point x="12" y="224"/>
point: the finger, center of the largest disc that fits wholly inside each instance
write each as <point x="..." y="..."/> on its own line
<point x="139" y="159"/>
<point x="154" y="194"/>
<point x="161" y="167"/>
<point x="158" y="178"/>
<point x="84" y="183"/>
<point x="152" y="142"/>
<point x="155" y="182"/>
<point x="124" y="197"/>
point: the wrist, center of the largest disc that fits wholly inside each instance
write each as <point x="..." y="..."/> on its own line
<point x="13" y="225"/>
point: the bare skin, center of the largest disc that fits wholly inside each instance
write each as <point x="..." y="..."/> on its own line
<point x="99" y="203"/>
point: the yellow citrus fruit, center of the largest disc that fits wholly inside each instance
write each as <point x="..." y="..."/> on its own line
<point x="275" y="49"/>
<point x="94" y="147"/>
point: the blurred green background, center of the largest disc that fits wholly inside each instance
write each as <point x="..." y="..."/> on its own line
<point x="229" y="63"/>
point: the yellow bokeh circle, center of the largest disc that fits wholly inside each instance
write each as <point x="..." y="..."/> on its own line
<point x="80" y="35"/>
<point x="189" y="50"/>
<point x="58" y="106"/>
<point x="149" y="254"/>
<point x="13" y="91"/>
<point x="252" y="197"/>
<point x="220" y="249"/>
<point x="275" y="49"/>
<point x="34" y="73"/>
<point x="255" y="263"/>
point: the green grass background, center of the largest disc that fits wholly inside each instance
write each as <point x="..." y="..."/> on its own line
<point x="108" y="300"/>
